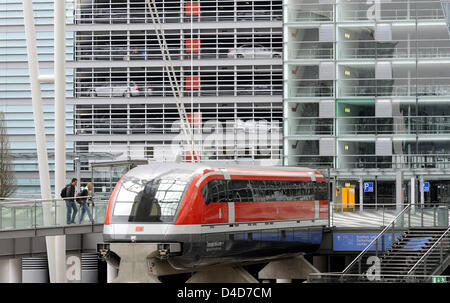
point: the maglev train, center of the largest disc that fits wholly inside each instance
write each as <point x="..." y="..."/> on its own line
<point x="203" y="214"/>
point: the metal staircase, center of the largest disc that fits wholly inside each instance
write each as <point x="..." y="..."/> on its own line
<point x="414" y="247"/>
<point x="408" y="250"/>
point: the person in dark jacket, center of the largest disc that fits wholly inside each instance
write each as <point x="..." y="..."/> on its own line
<point x="84" y="201"/>
<point x="70" y="201"/>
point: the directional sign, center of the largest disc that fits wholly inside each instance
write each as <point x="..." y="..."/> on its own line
<point x="368" y="187"/>
<point x="426" y="187"/>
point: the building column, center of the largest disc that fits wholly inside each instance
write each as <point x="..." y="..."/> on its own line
<point x="11" y="271"/>
<point x="412" y="196"/>
<point x="320" y="262"/>
<point x="361" y="194"/>
<point x="398" y="190"/>
<point x="422" y="193"/>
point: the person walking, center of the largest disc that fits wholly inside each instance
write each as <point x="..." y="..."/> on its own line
<point x="70" y="203"/>
<point x="85" y="197"/>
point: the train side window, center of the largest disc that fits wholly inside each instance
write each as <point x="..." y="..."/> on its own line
<point x="206" y="194"/>
<point x="216" y="191"/>
<point x="321" y="191"/>
<point x="258" y="190"/>
<point x="239" y="191"/>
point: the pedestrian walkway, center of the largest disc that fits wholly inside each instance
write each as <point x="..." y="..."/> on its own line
<point x="383" y="215"/>
<point x="29" y="213"/>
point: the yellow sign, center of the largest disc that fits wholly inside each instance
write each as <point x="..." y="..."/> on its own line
<point x="347" y="109"/>
<point x="346" y="148"/>
<point x="347" y="73"/>
<point x="347" y="184"/>
<point x="347" y="35"/>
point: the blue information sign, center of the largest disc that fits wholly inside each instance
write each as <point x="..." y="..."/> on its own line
<point x="368" y="187"/>
<point x="426" y="187"/>
<point x="359" y="241"/>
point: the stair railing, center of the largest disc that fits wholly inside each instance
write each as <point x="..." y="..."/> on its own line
<point x="439" y="244"/>
<point x="380" y="238"/>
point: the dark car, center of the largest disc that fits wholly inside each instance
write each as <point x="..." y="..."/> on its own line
<point x="249" y="15"/>
<point x="259" y="89"/>
<point x="113" y="15"/>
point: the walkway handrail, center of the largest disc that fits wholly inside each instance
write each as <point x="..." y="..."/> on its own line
<point x="428" y="251"/>
<point x="41" y="200"/>
<point x="374" y="240"/>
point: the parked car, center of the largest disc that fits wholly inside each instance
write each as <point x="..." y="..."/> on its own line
<point x="143" y="53"/>
<point x="109" y="53"/>
<point x="113" y="15"/>
<point x="257" y="14"/>
<point x="253" y="51"/>
<point x="117" y="89"/>
<point x="259" y="89"/>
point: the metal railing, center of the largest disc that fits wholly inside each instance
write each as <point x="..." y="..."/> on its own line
<point x="441" y="246"/>
<point x="29" y="213"/>
<point x="369" y="125"/>
<point x="170" y="12"/>
<point x="178" y="51"/>
<point x="381" y="278"/>
<point x="342" y="214"/>
<point x="428" y="48"/>
<point x="365" y="161"/>
<point x="412" y="216"/>
<point x="359" y="11"/>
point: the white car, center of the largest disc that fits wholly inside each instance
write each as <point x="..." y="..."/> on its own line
<point x="253" y="51"/>
<point x="118" y="89"/>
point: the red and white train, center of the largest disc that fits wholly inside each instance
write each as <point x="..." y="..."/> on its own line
<point x="205" y="214"/>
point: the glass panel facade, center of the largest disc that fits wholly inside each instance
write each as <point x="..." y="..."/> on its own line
<point x="389" y="79"/>
<point x="15" y="94"/>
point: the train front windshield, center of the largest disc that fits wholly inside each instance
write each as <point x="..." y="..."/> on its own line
<point x="154" y="200"/>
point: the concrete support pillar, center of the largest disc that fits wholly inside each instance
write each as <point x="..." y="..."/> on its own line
<point x="321" y="263"/>
<point x="361" y="194"/>
<point x="134" y="266"/>
<point x="412" y="195"/>
<point x="111" y="273"/>
<point x="287" y="269"/>
<point x="10" y="271"/>
<point x="398" y="190"/>
<point x="422" y="193"/>
<point x="223" y="274"/>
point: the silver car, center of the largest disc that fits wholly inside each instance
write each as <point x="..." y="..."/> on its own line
<point x="251" y="51"/>
<point x="118" y="89"/>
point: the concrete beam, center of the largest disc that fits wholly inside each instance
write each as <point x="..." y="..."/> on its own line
<point x="292" y="268"/>
<point x="223" y="274"/>
<point x="134" y="265"/>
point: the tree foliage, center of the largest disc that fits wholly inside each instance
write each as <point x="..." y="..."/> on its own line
<point x="7" y="179"/>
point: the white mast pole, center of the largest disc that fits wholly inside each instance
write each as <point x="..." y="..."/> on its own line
<point x="41" y="149"/>
<point x="60" y="131"/>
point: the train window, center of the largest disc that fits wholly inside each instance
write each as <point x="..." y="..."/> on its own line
<point x="158" y="199"/>
<point x="321" y="191"/>
<point x="257" y="188"/>
<point x="122" y="209"/>
<point x="215" y="191"/>
<point x="263" y="190"/>
<point x="239" y="191"/>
